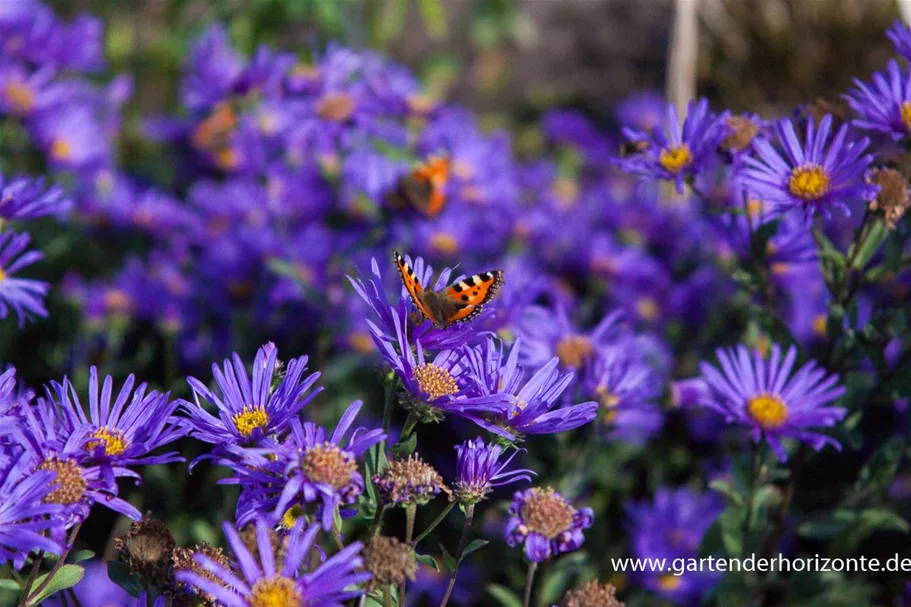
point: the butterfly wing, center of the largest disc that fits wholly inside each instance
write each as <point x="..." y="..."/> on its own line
<point x="414" y="288"/>
<point x="471" y="294"/>
<point x="425" y="187"/>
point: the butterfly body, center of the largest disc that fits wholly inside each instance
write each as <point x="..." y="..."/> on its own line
<point x="424" y="188"/>
<point x="457" y="303"/>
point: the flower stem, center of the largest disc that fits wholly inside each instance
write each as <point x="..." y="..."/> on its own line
<point x="755" y="463"/>
<point x="434" y="524"/>
<point x="387" y="596"/>
<point x="33" y="574"/>
<point x="60" y="562"/>
<point x="387" y="419"/>
<point x="410" y="512"/>
<point x="529" y="581"/>
<point x="463" y="541"/>
<point x="378" y="519"/>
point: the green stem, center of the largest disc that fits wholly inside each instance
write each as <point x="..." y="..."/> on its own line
<point x="378" y="519"/>
<point x="387" y="596"/>
<point x="434" y="524"/>
<point x="463" y="541"/>
<point x="410" y="422"/>
<point x="755" y="463"/>
<point x="60" y="562"/>
<point x="410" y="513"/>
<point x="529" y="581"/>
<point x="33" y="574"/>
<point x="78" y="603"/>
<point x="388" y="402"/>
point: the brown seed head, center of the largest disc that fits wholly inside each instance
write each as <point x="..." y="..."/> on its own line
<point x="146" y="548"/>
<point x="893" y="198"/>
<point x="390" y="561"/>
<point x="591" y="594"/>
<point x="182" y="559"/>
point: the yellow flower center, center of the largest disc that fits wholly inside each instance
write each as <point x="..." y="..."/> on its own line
<point x="61" y="150"/>
<point x="2" y="275"/>
<point x="769" y="411"/>
<point x="754" y="208"/>
<point x="435" y="381"/>
<point x="276" y="592"/>
<point x="444" y="244"/>
<point x="22" y="98"/>
<point x="676" y="158"/>
<point x="250" y="418"/>
<point x="71" y="485"/>
<point x="669" y="582"/>
<point x="820" y="325"/>
<point x="361" y="342"/>
<point x="328" y="465"/>
<point x="112" y="440"/>
<point x="906" y="115"/>
<point x="646" y="308"/>
<point x="290" y="516"/>
<point x="808" y="182"/>
<point x="574" y="351"/>
<point x="227" y="159"/>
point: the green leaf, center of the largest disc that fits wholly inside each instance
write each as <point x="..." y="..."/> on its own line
<point x="731" y="531"/>
<point x="11" y="585"/>
<point x="404" y="449"/>
<point x="725" y="488"/>
<point x="870" y="245"/>
<point x="473" y="546"/>
<point x="80" y="555"/>
<point x="65" y="577"/>
<point x="883" y="519"/>
<point x="504" y="596"/>
<point x="426" y="559"/>
<point x="120" y="575"/>
<point x="448" y="560"/>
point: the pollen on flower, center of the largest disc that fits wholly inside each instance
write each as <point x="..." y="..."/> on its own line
<point x="906" y="115"/>
<point x="606" y="398"/>
<point x="61" y="150"/>
<point x="808" y="182"/>
<point x="435" y="381"/>
<point x="71" y="485"/>
<point x="574" y="351"/>
<point x="444" y="244"/>
<point x="820" y="322"/>
<point x="275" y="592"/>
<point x="249" y="419"/>
<point x="20" y="97"/>
<point x="675" y="159"/>
<point x="769" y="411"/>
<point x="547" y="513"/>
<point x="112" y="440"/>
<point x="2" y="275"/>
<point x="335" y="106"/>
<point x="289" y="518"/>
<point x="328" y="465"/>
<point x="647" y="308"/>
<point x="669" y="582"/>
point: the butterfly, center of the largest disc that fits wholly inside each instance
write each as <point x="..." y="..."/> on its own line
<point x="424" y="188"/>
<point x="631" y="148"/>
<point x="457" y="303"/>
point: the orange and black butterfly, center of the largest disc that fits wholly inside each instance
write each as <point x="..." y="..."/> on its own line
<point x="214" y="131"/>
<point x="424" y="188"/>
<point x="457" y="303"/>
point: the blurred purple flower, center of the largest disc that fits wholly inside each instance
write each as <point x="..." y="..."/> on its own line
<point x="25" y="296"/>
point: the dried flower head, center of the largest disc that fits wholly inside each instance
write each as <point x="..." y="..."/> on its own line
<point x="591" y="594"/>
<point x="183" y="559"/>
<point x="741" y="131"/>
<point x="410" y="481"/>
<point x="146" y="548"/>
<point x="390" y="561"/>
<point x="279" y="542"/>
<point x="893" y="198"/>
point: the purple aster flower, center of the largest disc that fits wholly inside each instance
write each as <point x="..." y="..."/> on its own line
<point x="526" y="407"/>
<point x="24" y="295"/>
<point x="73" y="138"/>
<point x="766" y="397"/>
<point x="23" y="93"/>
<point x="885" y="105"/>
<point x="479" y="470"/>
<point x="123" y="432"/>
<point x="432" y="386"/>
<point x="250" y="408"/>
<point x="25" y="198"/>
<point x="671" y="527"/>
<point x="546" y="522"/>
<point x="12" y="397"/>
<point x="621" y="379"/>
<point x="25" y="516"/>
<point x="547" y="333"/>
<point x="673" y="153"/>
<point x="312" y="466"/>
<point x="331" y="583"/>
<point x="79" y="482"/>
<point x="815" y="176"/>
<point x="900" y="36"/>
